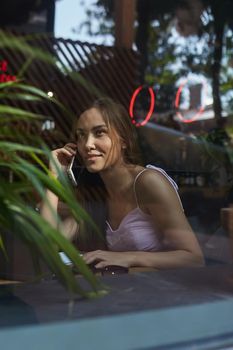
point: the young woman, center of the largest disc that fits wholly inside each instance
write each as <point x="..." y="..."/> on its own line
<point x="142" y="217"/>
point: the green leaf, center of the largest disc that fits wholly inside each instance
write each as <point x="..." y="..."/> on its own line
<point x="20" y="96"/>
<point x="2" y="247"/>
<point x="18" y="114"/>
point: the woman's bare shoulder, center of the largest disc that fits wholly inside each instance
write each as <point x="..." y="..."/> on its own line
<point x="152" y="184"/>
<point x="147" y="177"/>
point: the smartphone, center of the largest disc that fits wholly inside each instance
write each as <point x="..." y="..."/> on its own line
<point x="74" y="171"/>
<point x="79" y="175"/>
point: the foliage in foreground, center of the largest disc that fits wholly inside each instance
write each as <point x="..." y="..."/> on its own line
<point x="22" y="156"/>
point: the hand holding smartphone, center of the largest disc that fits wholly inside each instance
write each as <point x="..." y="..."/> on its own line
<point x="79" y="175"/>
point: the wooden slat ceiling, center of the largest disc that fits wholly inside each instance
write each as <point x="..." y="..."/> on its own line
<point x="107" y="71"/>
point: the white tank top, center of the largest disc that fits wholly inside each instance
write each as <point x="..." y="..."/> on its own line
<point x="137" y="232"/>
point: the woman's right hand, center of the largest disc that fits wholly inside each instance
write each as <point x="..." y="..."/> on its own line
<point x="62" y="157"/>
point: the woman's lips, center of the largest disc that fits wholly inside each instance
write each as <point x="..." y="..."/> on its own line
<point x="93" y="157"/>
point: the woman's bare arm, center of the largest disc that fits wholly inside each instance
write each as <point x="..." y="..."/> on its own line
<point x="181" y="249"/>
<point x="51" y="208"/>
<point x="159" y="198"/>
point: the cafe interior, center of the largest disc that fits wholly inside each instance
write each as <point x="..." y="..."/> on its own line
<point x="170" y="64"/>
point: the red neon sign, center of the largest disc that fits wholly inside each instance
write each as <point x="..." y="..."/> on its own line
<point x="177" y="103"/>
<point x="131" y="105"/>
<point x="152" y="104"/>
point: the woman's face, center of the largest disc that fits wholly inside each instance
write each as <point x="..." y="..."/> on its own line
<point x="95" y="142"/>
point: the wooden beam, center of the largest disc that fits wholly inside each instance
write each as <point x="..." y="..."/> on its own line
<point x="124" y="22"/>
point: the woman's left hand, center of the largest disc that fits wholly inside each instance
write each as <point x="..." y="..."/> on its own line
<point x="105" y="258"/>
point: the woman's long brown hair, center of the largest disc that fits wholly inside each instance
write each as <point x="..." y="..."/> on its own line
<point x="91" y="191"/>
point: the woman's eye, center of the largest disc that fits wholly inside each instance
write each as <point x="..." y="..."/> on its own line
<point x="100" y="132"/>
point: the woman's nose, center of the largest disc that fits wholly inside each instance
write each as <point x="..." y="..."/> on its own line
<point x="90" y="142"/>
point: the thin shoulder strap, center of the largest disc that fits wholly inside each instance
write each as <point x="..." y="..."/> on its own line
<point x="163" y="172"/>
<point x="134" y="184"/>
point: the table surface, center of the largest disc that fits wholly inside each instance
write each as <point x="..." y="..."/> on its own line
<point x="173" y="309"/>
<point x="131" y="270"/>
<point x="47" y="301"/>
